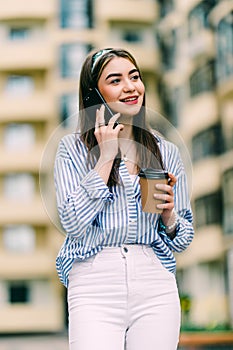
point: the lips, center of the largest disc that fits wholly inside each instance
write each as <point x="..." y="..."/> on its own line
<point x="130" y="99"/>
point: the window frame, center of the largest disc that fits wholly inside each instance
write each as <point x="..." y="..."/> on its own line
<point x="208" y="209"/>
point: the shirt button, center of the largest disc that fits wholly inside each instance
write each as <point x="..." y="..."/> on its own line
<point x="125" y="250"/>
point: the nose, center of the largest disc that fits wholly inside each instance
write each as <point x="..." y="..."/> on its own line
<point x="128" y="85"/>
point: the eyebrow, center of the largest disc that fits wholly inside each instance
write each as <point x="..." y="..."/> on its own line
<point x="119" y="74"/>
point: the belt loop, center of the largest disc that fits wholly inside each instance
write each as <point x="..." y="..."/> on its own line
<point x="124" y="250"/>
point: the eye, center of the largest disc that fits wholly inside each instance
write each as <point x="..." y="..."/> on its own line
<point x="115" y="81"/>
<point x="135" y="77"/>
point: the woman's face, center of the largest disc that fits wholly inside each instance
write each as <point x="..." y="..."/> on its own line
<point x="121" y="86"/>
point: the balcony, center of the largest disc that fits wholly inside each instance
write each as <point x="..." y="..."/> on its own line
<point x="12" y="9"/>
<point x="170" y="22"/>
<point x="26" y="55"/>
<point x="36" y="106"/>
<point x="40" y="318"/>
<point x="35" y="265"/>
<point x="202" y="183"/>
<point x="140" y="11"/>
<point x="225" y="87"/>
<point x="221" y="9"/>
<point x="200" y="253"/>
<point x="202" y="44"/>
<point x="199" y="113"/>
<point x="147" y="57"/>
<point x="18" y="212"/>
<point x="23" y="160"/>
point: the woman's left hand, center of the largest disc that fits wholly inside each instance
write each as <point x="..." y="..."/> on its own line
<point x="167" y="195"/>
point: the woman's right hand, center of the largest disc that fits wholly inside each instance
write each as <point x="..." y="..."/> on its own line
<point x="107" y="135"/>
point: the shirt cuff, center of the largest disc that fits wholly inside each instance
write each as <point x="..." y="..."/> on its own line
<point x="162" y="230"/>
<point x="95" y="187"/>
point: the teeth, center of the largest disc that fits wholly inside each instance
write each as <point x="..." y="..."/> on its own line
<point x="130" y="99"/>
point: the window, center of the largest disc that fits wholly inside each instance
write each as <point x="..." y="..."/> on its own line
<point x="203" y="79"/>
<point x="35" y="292"/>
<point x="228" y="201"/>
<point x="19" y="238"/>
<point x="18" y="292"/>
<point x="172" y="101"/>
<point x="166" y="6"/>
<point x="229" y="139"/>
<point x="19" y="187"/>
<point x="18" y="33"/>
<point x="208" y="209"/>
<point x="69" y="110"/>
<point x="167" y="45"/>
<point x="135" y="33"/>
<point x="198" y="16"/>
<point x="207" y="143"/>
<point x="76" y="13"/>
<point x="132" y="36"/>
<point x="19" y="85"/>
<point x="71" y="59"/>
<point x="18" y="137"/>
<point x="224" y="64"/>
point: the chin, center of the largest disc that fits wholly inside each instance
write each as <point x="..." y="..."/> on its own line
<point x="128" y="111"/>
<point x="133" y="113"/>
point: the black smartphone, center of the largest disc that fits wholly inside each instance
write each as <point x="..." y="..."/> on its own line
<point x="95" y="99"/>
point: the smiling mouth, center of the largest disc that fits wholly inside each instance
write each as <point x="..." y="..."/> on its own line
<point x="129" y="99"/>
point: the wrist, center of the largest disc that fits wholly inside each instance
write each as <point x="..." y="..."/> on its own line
<point x="171" y="223"/>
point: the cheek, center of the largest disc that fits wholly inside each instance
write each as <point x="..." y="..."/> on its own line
<point x="142" y="88"/>
<point x="107" y="93"/>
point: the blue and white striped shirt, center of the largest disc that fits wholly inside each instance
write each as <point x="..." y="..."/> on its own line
<point x="94" y="216"/>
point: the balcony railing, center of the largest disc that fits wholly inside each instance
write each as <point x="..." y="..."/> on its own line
<point x="35" y="106"/>
<point x="42" y="9"/>
<point x="140" y="10"/>
<point x="26" y="55"/>
<point x="202" y="44"/>
<point x="32" y="213"/>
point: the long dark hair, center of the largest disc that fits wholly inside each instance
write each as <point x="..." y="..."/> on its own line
<point x="149" y="154"/>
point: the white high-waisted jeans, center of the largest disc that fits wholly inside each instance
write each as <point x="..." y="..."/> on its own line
<point x="123" y="298"/>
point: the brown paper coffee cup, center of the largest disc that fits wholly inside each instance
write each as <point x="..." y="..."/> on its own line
<point x="148" y="179"/>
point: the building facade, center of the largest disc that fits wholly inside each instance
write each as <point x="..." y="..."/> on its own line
<point x="185" y="52"/>
<point x="196" y="40"/>
<point x="43" y="45"/>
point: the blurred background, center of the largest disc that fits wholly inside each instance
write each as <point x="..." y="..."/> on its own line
<point x="185" y="51"/>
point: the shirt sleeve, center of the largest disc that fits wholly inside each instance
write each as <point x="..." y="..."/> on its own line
<point x="184" y="230"/>
<point x="80" y="194"/>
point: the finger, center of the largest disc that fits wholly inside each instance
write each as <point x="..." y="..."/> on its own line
<point x="172" y="179"/>
<point x="165" y="198"/>
<point x="115" y="125"/>
<point x="166" y="206"/>
<point x="118" y="126"/>
<point x="164" y="188"/>
<point x="113" y="120"/>
<point x="100" y="121"/>
<point x="97" y="119"/>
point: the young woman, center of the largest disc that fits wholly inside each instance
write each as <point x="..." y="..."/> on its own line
<point x="117" y="261"/>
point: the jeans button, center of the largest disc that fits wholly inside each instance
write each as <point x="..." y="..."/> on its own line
<point x="125" y="250"/>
